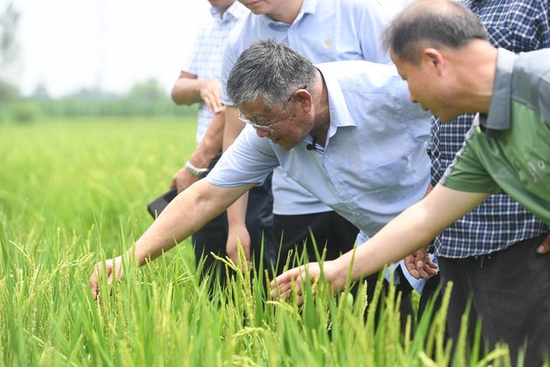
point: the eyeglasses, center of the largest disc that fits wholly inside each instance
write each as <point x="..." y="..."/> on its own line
<point x="262" y="123"/>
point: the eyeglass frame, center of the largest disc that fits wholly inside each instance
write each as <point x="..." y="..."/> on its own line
<point x="268" y="127"/>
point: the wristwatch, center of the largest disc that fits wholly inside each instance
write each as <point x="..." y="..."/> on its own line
<point x="197" y="172"/>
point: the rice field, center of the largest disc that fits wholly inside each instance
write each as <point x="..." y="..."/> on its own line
<point x="74" y="192"/>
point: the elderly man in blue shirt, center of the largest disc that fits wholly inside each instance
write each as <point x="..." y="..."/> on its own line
<point x="322" y="31"/>
<point x="346" y="131"/>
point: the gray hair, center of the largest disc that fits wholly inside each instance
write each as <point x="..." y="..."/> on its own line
<point x="439" y="23"/>
<point x="271" y="70"/>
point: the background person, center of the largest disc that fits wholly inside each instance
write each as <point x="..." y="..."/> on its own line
<point x="199" y="82"/>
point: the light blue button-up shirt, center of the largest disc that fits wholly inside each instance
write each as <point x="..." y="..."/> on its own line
<point x="324" y="31"/>
<point x="374" y="164"/>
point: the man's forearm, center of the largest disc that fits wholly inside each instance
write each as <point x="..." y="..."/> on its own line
<point x="185" y="215"/>
<point x="211" y="144"/>
<point x="186" y="90"/>
<point x="412" y="229"/>
<point x="236" y="213"/>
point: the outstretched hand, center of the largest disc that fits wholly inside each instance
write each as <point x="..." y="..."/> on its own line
<point x="111" y="268"/>
<point x="293" y="281"/>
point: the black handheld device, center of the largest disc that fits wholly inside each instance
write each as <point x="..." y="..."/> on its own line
<point x="156" y="206"/>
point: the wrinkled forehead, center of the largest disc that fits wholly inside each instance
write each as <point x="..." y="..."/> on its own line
<point x="255" y="107"/>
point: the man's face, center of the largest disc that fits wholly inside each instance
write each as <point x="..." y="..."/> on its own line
<point x="428" y="87"/>
<point x="286" y="125"/>
<point x="262" y="6"/>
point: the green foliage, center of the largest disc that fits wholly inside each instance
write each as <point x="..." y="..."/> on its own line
<point x="112" y="107"/>
<point x="8" y="91"/>
<point x="146" y="99"/>
<point x="24" y="112"/>
<point x="74" y="192"/>
<point x="150" y="90"/>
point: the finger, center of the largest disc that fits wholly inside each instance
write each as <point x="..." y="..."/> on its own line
<point x="94" y="280"/>
<point x="423" y="274"/>
<point x="280" y="289"/>
<point x="112" y="274"/>
<point x="544" y="247"/>
<point x="411" y="267"/>
<point x="217" y="99"/>
<point x="296" y="289"/>
<point x="218" y="106"/>
<point x="209" y="102"/>
<point x="431" y="271"/>
<point x="275" y="290"/>
<point x="213" y="100"/>
<point x="288" y="289"/>
<point x="287" y="276"/>
<point x="282" y="293"/>
<point x="286" y="295"/>
<point x="431" y="264"/>
<point x="94" y="287"/>
<point x="110" y="279"/>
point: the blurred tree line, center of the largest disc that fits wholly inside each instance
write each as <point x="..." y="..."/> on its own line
<point x="146" y="98"/>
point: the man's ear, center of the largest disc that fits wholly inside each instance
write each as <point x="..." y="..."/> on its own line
<point x="432" y="58"/>
<point x="304" y="98"/>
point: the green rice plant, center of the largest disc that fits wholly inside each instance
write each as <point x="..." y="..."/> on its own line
<point x="74" y="193"/>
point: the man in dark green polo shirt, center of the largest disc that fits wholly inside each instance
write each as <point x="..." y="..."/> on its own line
<point x="441" y="49"/>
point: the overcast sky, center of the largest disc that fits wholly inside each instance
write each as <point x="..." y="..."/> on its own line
<point x="70" y="44"/>
<point x="111" y="44"/>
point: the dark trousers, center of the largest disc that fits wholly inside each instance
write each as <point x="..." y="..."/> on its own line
<point x="298" y="236"/>
<point x="212" y="238"/>
<point x="510" y="294"/>
<point x="333" y="234"/>
<point x="431" y="294"/>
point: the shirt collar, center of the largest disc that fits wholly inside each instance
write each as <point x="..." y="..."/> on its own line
<point x="235" y="11"/>
<point x="339" y="116"/>
<point x="498" y="118"/>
